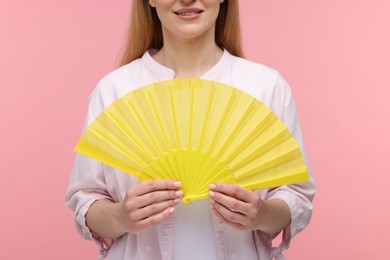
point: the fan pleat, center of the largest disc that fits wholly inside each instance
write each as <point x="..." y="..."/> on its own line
<point x="132" y="127"/>
<point x="217" y="117"/>
<point x="107" y="151"/>
<point x="150" y="120"/>
<point x="257" y="149"/>
<point x="270" y="161"/>
<point x="205" y="121"/>
<point x="174" y="117"/>
<point x="249" y="133"/>
<point x="221" y="120"/>
<point x="142" y="127"/>
<point x="233" y="132"/>
<point x="160" y="120"/>
<point x="121" y="130"/>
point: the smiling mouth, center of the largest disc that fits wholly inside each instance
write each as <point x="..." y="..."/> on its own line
<point x="188" y="13"/>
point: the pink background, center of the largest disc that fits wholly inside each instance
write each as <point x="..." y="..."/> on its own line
<point x="334" y="54"/>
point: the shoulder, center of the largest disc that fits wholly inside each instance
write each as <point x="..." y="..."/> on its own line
<point x="254" y="72"/>
<point x="258" y="79"/>
<point x="112" y="86"/>
<point x="120" y="81"/>
<point x="123" y="75"/>
<point x="248" y="67"/>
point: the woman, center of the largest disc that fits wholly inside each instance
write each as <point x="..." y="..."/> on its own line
<point x="131" y="220"/>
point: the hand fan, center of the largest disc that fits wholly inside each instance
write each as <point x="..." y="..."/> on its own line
<point x="198" y="132"/>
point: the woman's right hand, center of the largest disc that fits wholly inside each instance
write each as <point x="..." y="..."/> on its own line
<point x="148" y="204"/>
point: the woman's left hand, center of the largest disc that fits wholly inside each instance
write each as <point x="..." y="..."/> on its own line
<point x="236" y="206"/>
<point x="245" y="210"/>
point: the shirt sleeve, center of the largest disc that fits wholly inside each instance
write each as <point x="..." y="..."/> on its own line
<point x="87" y="183"/>
<point x="298" y="196"/>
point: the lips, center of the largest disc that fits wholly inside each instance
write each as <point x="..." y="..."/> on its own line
<point x="188" y="12"/>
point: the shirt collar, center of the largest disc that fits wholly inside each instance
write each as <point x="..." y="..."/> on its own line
<point x="155" y="67"/>
<point x="167" y="73"/>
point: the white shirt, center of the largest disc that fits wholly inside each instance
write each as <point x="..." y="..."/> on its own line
<point x="92" y="180"/>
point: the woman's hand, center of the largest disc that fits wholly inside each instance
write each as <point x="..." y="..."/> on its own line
<point x="144" y="205"/>
<point x="245" y="210"/>
<point x="148" y="204"/>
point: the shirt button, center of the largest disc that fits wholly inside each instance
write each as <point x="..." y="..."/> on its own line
<point x="165" y="253"/>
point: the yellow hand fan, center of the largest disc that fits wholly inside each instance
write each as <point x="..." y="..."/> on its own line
<point x="198" y="132"/>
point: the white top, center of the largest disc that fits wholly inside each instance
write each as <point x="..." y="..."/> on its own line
<point x="193" y="231"/>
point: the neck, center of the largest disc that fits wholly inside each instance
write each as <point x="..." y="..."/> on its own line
<point x="189" y="58"/>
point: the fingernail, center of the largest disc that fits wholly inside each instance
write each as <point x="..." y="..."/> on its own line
<point x="212" y="202"/>
<point x="176" y="201"/>
<point x="211" y="193"/>
<point x="179" y="193"/>
<point x="171" y="210"/>
<point x="212" y="186"/>
<point x="177" y="184"/>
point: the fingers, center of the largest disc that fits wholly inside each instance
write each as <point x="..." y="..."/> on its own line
<point x="230" y="203"/>
<point x="154" y="191"/>
<point x="154" y="213"/>
<point x="232" y="191"/>
<point x="157" y="197"/>
<point x="232" y="197"/>
<point x="227" y="208"/>
<point x="227" y="216"/>
<point x="154" y="209"/>
<point x="234" y="205"/>
<point x="153" y="206"/>
<point x="155" y="185"/>
<point x="149" y="203"/>
<point x="153" y="220"/>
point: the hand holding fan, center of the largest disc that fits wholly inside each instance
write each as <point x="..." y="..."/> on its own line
<point x="198" y="132"/>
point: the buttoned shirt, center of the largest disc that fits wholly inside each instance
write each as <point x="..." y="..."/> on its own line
<point x="92" y="180"/>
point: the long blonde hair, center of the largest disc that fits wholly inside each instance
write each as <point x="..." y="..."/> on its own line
<point x="144" y="31"/>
